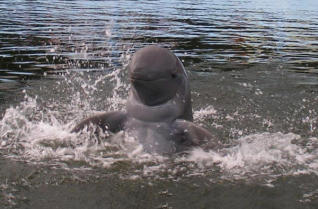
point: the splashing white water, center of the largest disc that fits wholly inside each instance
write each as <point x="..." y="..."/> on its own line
<point x="28" y="134"/>
<point x="25" y="134"/>
<point x="201" y="114"/>
<point x="38" y="130"/>
<point x="37" y="133"/>
<point x="262" y="154"/>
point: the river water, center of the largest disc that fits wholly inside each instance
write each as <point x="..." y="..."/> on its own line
<point x="253" y="71"/>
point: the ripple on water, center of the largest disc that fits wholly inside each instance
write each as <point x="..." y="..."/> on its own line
<point x="214" y="31"/>
<point x="28" y="133"/>
<point x="70" y="57"/>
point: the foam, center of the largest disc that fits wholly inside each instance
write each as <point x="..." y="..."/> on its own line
<point x="261" y="154"/>
<point x="38" y="131"/>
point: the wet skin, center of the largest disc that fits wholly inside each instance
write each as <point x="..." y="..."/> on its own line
<point x="159" y="110"/>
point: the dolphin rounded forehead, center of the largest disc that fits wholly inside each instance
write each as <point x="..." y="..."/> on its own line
<point x="153" y="60"/>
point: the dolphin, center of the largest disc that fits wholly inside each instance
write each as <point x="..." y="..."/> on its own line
<point x="158" y="110"/>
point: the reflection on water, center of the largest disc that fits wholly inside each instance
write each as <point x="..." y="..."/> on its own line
<point x="253" y="67"/>
<point x="37" y="36"/>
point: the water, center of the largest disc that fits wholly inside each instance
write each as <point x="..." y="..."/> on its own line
<point x="253" y="73"/>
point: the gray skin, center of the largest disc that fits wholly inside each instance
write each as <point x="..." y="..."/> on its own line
<point x="159" y="110"/>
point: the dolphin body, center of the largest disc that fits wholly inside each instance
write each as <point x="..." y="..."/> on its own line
<point x="159" y="110"/>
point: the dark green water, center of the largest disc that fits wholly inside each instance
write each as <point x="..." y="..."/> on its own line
<point x="253" y="71"/>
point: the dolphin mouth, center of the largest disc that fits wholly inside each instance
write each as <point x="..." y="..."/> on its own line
<point x="154" y="92"/>
<point x="137" y="78"/>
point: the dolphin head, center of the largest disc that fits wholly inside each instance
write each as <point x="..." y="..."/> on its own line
<point x="155" y="74"/>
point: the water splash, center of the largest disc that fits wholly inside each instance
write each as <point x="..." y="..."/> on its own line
<point x="265" y="154"/>
<point x="38" y="132"/>
<point x="202" y="114"/>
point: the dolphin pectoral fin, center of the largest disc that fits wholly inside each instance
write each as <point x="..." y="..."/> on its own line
<point x="187" y="133"/>
<point x="111" y="121"/>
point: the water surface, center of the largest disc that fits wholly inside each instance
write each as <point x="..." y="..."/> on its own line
<point x="253" y="73"/>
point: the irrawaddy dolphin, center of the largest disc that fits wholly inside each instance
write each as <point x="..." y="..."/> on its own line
<point x="159" y="110"/>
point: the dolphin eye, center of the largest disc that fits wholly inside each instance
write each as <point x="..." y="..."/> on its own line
<point x="173" y="75"/>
